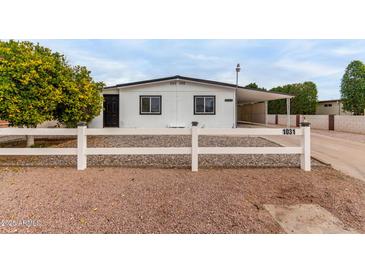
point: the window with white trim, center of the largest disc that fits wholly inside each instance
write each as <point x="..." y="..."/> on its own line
<point x="204" y="105"/>
<point x="149" y="105"/>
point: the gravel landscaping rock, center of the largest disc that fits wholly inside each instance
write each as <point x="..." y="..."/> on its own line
<point x="164" y="161"/>
<point x="140" y="200"/>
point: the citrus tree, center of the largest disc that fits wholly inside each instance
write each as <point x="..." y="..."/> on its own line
<point x="38" y="85"/>
<point x="81" y="98"/>
<point x="29" y="83"/>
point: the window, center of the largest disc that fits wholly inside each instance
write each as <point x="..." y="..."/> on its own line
<point x="204" y="105"/>
<point x="150" y="105"/>
<point x="328" y="105"/>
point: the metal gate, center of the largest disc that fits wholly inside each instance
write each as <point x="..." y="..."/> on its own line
<point x="331" y="122"/>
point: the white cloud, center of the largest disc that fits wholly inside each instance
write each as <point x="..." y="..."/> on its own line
<point x="306" y="68"/>
<point x="269" y="63"/>
<point x="329" y="93"/>
<point x="348" y="51"/>
<point x="112" y="71"/>
<point x="201" y="57"/>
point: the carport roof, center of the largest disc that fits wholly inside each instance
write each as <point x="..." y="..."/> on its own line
<point x="244" y="95"/>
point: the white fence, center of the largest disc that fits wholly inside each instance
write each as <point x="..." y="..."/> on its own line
<point x="82" y="151"/>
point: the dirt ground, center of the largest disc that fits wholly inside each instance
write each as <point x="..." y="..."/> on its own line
<point x="150" y="200"/>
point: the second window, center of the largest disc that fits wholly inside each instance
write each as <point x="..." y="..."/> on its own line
<point x="204" y="105"/>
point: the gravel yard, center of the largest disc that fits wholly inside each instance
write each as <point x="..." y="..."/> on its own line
<point x="151" y="200"/>
<point x="163" y="161"/>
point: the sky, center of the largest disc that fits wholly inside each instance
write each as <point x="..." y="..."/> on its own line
<point x="269" y="63"/>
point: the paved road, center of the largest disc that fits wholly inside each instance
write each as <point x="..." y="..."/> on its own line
<point x="344" y="155"/>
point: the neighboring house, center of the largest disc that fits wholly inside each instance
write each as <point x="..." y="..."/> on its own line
<point x="333" y="107"/>
<point x="177" y="101"/>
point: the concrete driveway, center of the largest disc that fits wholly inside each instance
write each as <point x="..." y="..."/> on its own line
<point x="343" y="154"/>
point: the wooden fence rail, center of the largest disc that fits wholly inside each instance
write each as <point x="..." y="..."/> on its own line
<point x="82" y="151"/>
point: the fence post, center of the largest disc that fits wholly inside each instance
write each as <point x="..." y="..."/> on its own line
<point x="305" y="157"/>
<point x="194" y="146"/>
<point x="287" y="112"/>
<point x="81" y="146"/>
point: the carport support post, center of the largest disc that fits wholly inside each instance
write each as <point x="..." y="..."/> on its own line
<point x="287" y="112"/>
<point x="266" y="112"/>
<point x="305" y="157"/>
<point x="81" y="146"/>
<point x="194" y="146"/>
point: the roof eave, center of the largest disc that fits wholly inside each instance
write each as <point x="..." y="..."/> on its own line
<point x="196" y="80"/>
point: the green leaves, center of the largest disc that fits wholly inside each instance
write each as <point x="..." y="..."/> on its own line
<point x="254" y="86"/>
<point x="38" y="85"/>
<point x="304" y="102"/>
<point x="81" y="100"/>
<point x="353" y="88"/>
<point x="27" y="93"/>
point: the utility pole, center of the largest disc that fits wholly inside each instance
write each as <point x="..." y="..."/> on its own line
<point x="238" y="69"/>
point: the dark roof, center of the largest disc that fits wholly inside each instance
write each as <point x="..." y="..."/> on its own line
<point x="179" y="77"/>
<point x="328" y="101"/>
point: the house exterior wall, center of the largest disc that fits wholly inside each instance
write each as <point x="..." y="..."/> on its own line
<point x="254" y="113"/>
<point x="331" y="107"/>
<point x="177" y="106"/>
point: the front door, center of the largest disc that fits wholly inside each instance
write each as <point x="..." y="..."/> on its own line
<point x="111" y="111"/>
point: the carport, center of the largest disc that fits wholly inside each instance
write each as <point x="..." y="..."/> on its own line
<point x="252" y="105"/>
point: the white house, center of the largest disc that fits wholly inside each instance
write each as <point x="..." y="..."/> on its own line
<point x="178" y="100"/>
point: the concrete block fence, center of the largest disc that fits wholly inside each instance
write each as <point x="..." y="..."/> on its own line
<point x="355" y="124"/>
<point x="344" y="123"/>
<point x="283" y="119"/>
<point x="271" y="119"/>
<point x="317" y="121"/>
